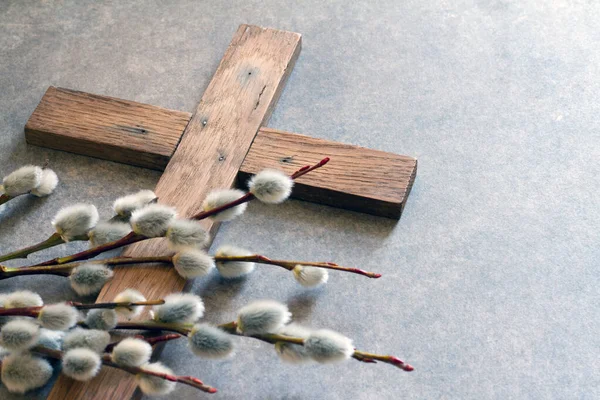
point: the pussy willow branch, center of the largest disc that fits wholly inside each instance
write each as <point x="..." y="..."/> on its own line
<point x="65" y="269"/>
<point x="35" y="311"/>
<point x="184" y="329"/>
<point x="134" y="237"/>
<point x="106" y="360"/>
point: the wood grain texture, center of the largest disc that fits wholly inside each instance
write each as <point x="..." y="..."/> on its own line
<point x="359" y="179"/>
<point x="238" y="100"/>
<point x="105" y="127"/>
<point x="356" y="178"/>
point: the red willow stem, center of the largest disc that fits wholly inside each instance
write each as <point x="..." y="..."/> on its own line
<point x="130" y="238"/>
<point x="249" y="196"/>
<point x="134" y="237"/>
<point x="290" y="265"/>
<point x="106" y="360"/>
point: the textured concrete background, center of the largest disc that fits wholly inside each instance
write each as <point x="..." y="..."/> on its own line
<point x="490" y="284"/>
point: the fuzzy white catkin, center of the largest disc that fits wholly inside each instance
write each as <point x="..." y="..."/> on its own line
<point x="271" y="186"/>
<point x="262" y="316"/>
<point x="325" y="346"/>
<point x="152" y="220"/>
<point x="131" y="296"/>
<point x="218" y="198"/>
<point x="103" y="319"/>
<point x="310" y="276"/>
<point x="184" y="233"/>
<point x="93" y="339"/>
<point x="106" y="232"/>
<point x="89" y="278"/>
<point x="22" y="180"/>
<point x="125" y="205"/>
<point x="24" y="372"/>
<point x="48" y="183"/>
<point x="131" y="352"/>
<point x="19" y="334"/>
<point x="22" y="298"/>
<point x="51" y="339"/>
<point x="209" y="341"/>
<point x="153" y="385"/>
<point x="289" y="352"/>
<point x="233" y="269"/>
<point x="75" y="221"/>
<point x="58" y="317"/>
<point x="192" y="263"/>
<point x="179" y="308"/>
<point x="81" y="364"/>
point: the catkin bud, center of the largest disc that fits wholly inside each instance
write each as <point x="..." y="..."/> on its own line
<point x="130" y="296"/>
<point x="310" y="276"/>
<point x="183" y="233"/>
<point x="24" y="372"/>
<point x="192" y="263"/>
<point x="271" y="186"/>
<point x="233" y="269"/>
<point x="58" y="317"/>
<point x="152" y="220"/>
<point x="48" y="183"/>
<point x="106" y="232"/>
<point x="125" y="205"/>
<point x="22" y="180"/>
<point x="19" y="334"/>
<point x="81" y="364"/>
<point x="75" y="221"/>
<point x="153" y="385"/>
<point x="179" y="308"/>
<point x="103" y="319"/>
<point x="218" y="198"/>
<point x="89" y="278"/>
<point x="263" y="316"/>
<point x="327" y="346"/>
<point x="131" y="352"/>
<point x="209" y="341"/>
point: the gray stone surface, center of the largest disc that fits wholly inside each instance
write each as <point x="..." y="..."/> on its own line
<point x="490" y="283"/>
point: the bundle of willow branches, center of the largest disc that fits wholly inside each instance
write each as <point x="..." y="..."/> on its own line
<point x="79" y="335"/>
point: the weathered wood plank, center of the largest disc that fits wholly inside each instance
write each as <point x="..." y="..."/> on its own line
<point x="105" y="127"/>
<point x="360" y="179"/>
<point x="356" y="178"/>
<point x="236" y="103"/>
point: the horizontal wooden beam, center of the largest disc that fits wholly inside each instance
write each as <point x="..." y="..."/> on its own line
<point x="360" y="179"/>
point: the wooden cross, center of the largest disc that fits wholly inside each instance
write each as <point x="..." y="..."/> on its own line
<point x="222" y="141"/>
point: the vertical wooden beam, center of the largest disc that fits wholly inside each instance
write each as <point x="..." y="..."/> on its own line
<point x="236" y="103"/>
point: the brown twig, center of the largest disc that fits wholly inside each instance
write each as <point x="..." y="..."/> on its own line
<point x="53" y="240"/>
<point x="65" y="269"/>
<point x="150" y="340"/>
<point x="106" y="360"/>
<point x="290" y="265"/>
<point x="130" y="238"/>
